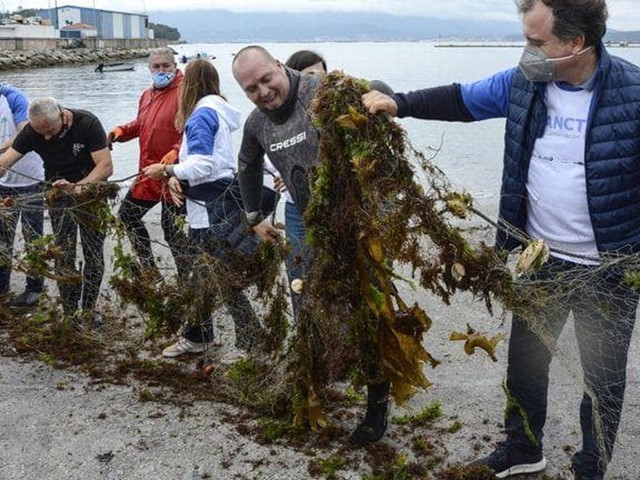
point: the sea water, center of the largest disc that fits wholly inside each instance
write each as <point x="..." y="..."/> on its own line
<point x="469" y="154"/>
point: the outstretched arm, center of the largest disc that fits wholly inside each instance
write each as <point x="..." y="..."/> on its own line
<point x="439" y="103"/>
<point x="487" y="98"/>
<point x="9" y="141"/>
<point x="8" y="159"/>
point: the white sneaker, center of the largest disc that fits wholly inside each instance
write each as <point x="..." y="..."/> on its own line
<point x="183" y="346"/>
<point x="232" y="356"/>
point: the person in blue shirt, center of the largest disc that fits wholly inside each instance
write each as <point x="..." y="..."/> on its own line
<point x="21" y="189"/>
<point x="571" y="178"/>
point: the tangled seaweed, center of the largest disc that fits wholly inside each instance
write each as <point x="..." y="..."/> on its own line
<point x="367" y="216"/>
<point x="368" y="219"/>
<point x="94" y="211"/>
<point x="165" y="305"/>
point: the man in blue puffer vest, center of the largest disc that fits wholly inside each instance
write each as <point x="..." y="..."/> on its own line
<point x="572" y="178"/>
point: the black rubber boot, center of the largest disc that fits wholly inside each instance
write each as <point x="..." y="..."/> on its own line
<point x="374" y="423"/>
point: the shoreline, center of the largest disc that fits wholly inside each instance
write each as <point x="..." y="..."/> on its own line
<point x="23" y="59"/>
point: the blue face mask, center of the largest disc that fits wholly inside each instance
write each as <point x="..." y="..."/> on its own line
<point x="162" y="79"/>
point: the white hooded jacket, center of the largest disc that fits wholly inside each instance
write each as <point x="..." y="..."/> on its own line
<point x="206" y="153"/>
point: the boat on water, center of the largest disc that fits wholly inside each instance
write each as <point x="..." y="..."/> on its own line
<point x="115" y="67"/>
<point x="197" y="56"/>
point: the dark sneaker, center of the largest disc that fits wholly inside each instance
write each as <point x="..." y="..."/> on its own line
<point x="506" y="461"/>
<point x="26" y="299"/>
<point x="372" y="427"/>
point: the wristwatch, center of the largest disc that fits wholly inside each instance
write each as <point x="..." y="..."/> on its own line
<point x="254" y="218"/>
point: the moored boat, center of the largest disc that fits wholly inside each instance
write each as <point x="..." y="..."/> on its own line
<point x="115" y="67"/>
<point x="197" y="56"/>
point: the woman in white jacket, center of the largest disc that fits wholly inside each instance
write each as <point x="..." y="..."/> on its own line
<point x="205" y="176"/>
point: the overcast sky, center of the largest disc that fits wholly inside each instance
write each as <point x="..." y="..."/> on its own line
<point x="624" y="14"/>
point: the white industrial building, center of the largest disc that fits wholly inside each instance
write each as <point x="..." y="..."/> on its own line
<point x="108" y="24"/>
<point x="19" y="30"/>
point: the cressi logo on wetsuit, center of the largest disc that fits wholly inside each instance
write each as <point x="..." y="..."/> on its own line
<point x="301" y="137"/>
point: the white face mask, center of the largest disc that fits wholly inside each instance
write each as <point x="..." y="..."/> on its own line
<point x="537" y="67"/>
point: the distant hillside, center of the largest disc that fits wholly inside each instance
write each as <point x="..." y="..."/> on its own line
<point x="622" y="36"/>
<point x="225" y="26"/>
<point x="611" y="36"/>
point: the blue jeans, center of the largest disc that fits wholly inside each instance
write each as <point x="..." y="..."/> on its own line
<point x="604" y="311"/>
<point x="300" y="257"/>
<point x="226" y="236"/>
<point x="31" y="215"/>
<point x="299" y="263"/>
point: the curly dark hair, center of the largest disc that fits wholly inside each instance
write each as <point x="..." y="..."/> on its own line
<point x="574" y="18"/>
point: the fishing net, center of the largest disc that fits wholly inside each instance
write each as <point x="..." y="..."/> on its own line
<point x="382" y="221"/>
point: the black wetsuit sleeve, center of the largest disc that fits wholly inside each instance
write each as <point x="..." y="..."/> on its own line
<point x="437" y="103"/>
<point x="250" y="167"/>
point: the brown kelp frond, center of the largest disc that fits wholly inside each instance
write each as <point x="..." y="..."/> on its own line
<point x="473" y="340"/>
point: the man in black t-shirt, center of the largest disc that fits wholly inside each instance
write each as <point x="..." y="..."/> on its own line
<point x="73" y="147"/>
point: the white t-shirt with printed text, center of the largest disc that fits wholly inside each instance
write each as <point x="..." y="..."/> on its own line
<point x="557" y="208"/>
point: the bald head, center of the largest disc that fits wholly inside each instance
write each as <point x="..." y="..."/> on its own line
<point x="262" y="78"/>
<point x="251" y="51"/>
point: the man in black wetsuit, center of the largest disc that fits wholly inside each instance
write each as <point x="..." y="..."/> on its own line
<point x="73" y="147"/>
<point x="281" y="128"/>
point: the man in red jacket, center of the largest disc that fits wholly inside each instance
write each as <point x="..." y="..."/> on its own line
<point x="159" y="140"/>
